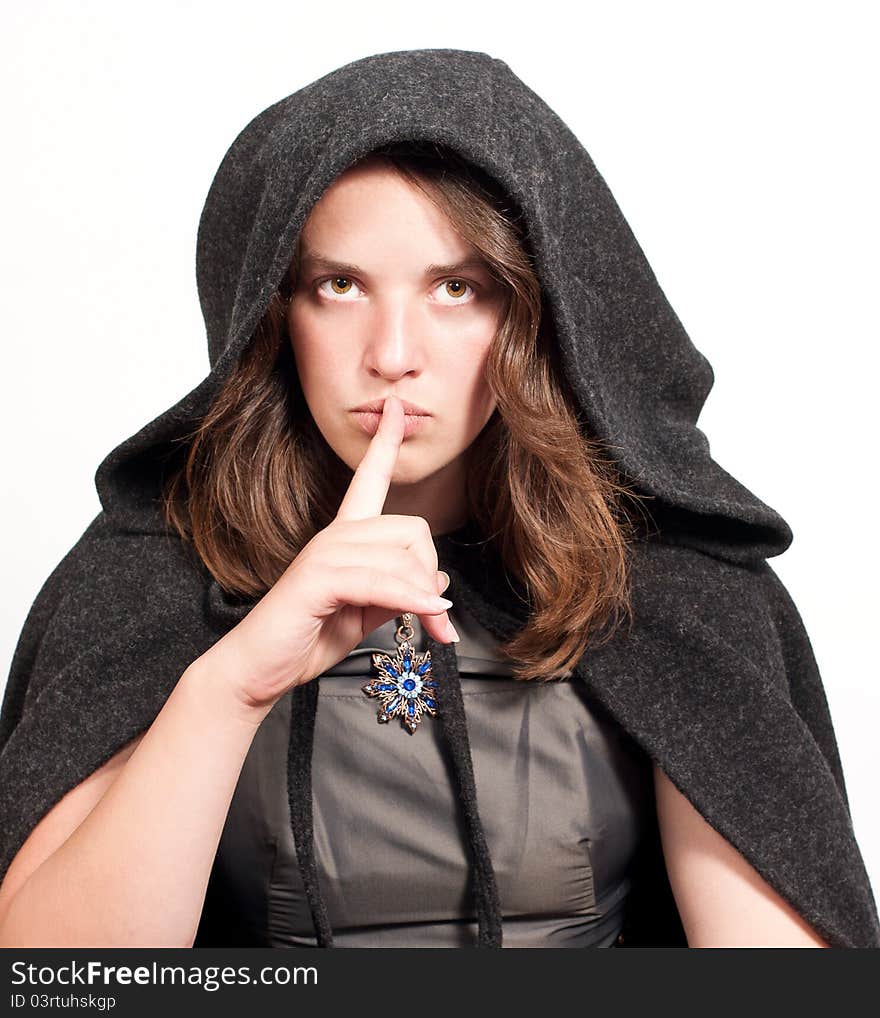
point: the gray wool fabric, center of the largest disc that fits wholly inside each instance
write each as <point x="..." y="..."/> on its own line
<point x="716" y="681"/>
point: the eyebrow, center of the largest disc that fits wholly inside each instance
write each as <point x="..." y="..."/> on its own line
<point x="317" y="260"/>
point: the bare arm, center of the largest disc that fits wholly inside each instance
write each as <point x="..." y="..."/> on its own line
<point x="723" y="901"/>
<point x="135" y="870"/>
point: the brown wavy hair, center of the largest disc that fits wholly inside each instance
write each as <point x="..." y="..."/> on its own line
<point x="253" y="485"/>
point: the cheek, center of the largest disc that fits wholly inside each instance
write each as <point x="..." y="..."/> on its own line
<point x="313" y="359"/>
<point x="466" y="383"/>
<point x="485" y="397"/>
<point x="467" y="360"/>
<point x="466" y="335"/>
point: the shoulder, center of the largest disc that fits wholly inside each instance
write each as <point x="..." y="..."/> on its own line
<point x="693" y="577"/>
<point x="680" y="593"/>
<point x="110" y="587"/>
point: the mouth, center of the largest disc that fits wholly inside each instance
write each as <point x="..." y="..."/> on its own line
<point x="375" y="407"/>
<point x="369" y="421"/>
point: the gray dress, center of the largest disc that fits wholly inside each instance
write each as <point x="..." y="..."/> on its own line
<point x="562" y="792"/>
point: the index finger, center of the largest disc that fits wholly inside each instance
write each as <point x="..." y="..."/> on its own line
<point x="368" y="489"/>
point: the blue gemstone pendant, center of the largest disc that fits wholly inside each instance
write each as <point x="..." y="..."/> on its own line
<point x="404" y="684"/>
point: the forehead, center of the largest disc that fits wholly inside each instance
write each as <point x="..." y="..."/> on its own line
<point x="371" y="214"/>
<point x="374" y="195"/>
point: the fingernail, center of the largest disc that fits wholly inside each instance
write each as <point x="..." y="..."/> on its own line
<point x="451" y="633"/>
<point x="444" y="602"/>
<point x="446" y="580"/>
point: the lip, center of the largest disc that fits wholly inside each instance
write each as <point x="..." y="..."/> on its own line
<point x="369" y="421"/>
<point x="375" y="407"/>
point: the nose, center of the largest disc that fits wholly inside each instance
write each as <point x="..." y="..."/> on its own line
<point x="393" y="342"/>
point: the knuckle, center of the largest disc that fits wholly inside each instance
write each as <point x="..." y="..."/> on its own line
<point x="415" y="526"/>
<point x="422" y="536"/>
<point x="416" y="565"/>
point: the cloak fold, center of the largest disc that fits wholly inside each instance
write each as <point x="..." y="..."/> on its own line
<point x="716" y="681"/>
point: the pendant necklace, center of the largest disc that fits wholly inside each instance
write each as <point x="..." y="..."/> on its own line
<point x="404" y="682"/>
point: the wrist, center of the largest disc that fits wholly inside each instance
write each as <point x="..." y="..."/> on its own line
<point x="213" y="678"/>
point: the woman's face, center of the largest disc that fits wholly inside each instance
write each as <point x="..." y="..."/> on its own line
<point x="389" y="300"/>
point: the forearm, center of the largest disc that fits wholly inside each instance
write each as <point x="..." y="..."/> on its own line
<point x="135" y="872"/>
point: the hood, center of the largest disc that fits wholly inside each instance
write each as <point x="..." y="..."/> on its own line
<point x="639" y="380"/>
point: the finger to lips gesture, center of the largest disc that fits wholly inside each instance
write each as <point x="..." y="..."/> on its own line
<point x="409" y="536"/>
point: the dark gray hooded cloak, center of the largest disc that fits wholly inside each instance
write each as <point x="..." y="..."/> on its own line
<point x="716" y="681"/>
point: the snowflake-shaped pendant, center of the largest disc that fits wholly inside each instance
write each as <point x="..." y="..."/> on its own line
<point x="405" y="686"/>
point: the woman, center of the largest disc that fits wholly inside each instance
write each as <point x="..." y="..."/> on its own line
<point x="197" y="688"/>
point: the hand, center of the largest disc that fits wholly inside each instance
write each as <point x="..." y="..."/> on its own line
<point x="352" y="577"/>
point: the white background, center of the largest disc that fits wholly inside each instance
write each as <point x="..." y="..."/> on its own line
<point x="740" y="140"/>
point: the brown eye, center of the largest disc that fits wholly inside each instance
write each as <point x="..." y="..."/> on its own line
<point x="340" y="284"/>
<point x="456" y="287"/>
